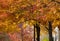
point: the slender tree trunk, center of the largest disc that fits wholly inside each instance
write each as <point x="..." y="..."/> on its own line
<point x="38" y="31"/>
<point x="50" y="32"/>
<point x="59" y="35"/>
<point x="59" y="31"/>
<point x="34" y="33"/>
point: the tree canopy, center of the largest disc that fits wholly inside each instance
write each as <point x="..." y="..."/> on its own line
<point x="13" y="12"/>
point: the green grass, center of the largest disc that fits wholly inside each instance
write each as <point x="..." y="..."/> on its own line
<point x="45" y="39"/>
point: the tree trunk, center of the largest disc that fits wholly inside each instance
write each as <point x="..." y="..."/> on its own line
<point x="59" y="35"/>
<point x="50" y="32"/>
<point x="38" y="31"/>
<point x="34" y="32"/>
<point x="59" y="31"/>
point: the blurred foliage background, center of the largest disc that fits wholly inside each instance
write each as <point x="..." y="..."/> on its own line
<point x="16" y="12"/>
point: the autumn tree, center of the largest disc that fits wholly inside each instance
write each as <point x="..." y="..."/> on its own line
<point x="40" y="11"/>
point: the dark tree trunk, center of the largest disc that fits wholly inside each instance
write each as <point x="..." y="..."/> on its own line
<point x="59" y="31"/>
<point x="34" y="32"/>
<point x="38" y="32"/>
<point x="50" y="32"/>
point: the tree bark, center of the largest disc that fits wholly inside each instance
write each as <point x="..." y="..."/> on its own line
<point x="59" y="35"/>
<point x="50" y="32"/>
<point x="34" y="32"/>
<point x="38" y="31"/>
<point x="59" y="31"/>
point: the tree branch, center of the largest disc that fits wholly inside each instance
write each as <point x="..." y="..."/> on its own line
<point x="46" y="28"/>
<point x="56" y="1"/>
